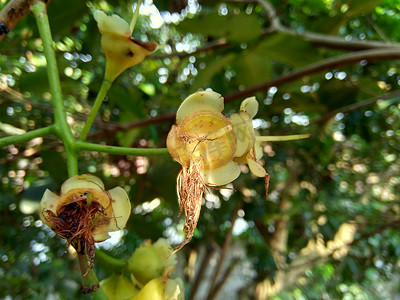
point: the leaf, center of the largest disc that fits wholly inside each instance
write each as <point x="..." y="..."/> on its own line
<point x="63" y="15"/>
<point x="235" y="28"/>
<point x="362" y="7"/>
<point x="288" y="49"/>
<point x="252" y="68"/>
<point x="214" y="66"/>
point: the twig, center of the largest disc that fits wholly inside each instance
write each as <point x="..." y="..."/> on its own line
<point x="323" y="40"/>
<point x="330" y="63"/>
<point x="355" y="106"/>
<point x="204" y="265"/>
<point x="208" y="47"/>
<point x="12" y="13"/>
<point x="225" y="249"/>
<point x="224" y="278"/>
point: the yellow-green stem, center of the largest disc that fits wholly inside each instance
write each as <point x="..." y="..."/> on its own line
<point x="105" y="86"/>
<point x="281" y="138"/>
<point x="89" y="278"/>
<point x="135" y="16"/>
<point x="27" y="136"/>
<point x="62" y="128"/>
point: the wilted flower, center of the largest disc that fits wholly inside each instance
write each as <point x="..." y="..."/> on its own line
<point x="210" y="147"/>
<point x="85" y="212"/>
<point x="121" y="50"/>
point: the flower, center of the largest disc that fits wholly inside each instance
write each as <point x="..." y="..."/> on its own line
<point x="84" y="212"/>
<point x="210" y="147"/>
<point x="121" y="50"/>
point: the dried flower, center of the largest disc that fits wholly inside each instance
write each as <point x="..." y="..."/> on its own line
<point x="121" y="50"/>
<point x="84" y="212"/>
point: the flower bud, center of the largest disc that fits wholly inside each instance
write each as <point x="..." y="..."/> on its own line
<point x="118" y="287"/>
<point x="150" y="261"/>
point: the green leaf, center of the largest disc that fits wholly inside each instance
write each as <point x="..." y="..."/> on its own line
<point x="362" y="7"/>
<point x="63" y="15"/>
<point x="214" y="66"/>
<point x="235" y="28"/>
<point x="252" y="68"/>
<point x="288" y="49"/>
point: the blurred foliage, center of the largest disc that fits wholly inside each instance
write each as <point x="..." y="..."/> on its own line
<point x="347" y="171"/>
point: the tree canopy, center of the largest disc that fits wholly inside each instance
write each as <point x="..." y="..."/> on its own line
<point x="328" y="228"/>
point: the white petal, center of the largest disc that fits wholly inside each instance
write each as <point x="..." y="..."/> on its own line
<point x="222" y="175"/>
<point x="48" y="202"/>
<point x="84" y="181"/>
<point x="250" y="105"/>
<point x="121" y="207"/>
<point x="256" y="168"/>
<point x="200" y="101"/>
<point x="111" y="24"/>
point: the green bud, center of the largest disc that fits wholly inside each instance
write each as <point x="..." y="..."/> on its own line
<point x="118" y="287"/>
<point x="150" y="261"/>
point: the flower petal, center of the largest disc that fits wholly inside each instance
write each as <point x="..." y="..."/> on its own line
<point x="256" y="168"/>
<point x="48" y="202"/>
<point x="111" y="24"/>
<point x="84" y="181"/>
<point x="207" y="100"/>
<point x="222" y="175"/>
<point x="244" y="132"/>
<point x="100" y="236"/>
<point x="121" y="206"/>
<point x="250" y="105"/>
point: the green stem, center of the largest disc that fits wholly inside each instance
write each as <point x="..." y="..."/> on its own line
<point x="105" y="86"/>
<point x="281" y="138"/>
<point x="60" y="117"/>
<point x="121" y="150"/>
<point x="115" y="264"/>
<point x="135" y="16"/>
<point x="27" y="136"/>
<point x="89" y="279"/>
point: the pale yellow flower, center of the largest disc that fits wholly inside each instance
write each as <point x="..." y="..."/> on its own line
<point x="210" y="147"/>
<point x="84" y="212"/>
<point x="121" y="50"/>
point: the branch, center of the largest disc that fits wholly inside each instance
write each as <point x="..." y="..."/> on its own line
<point x="355" y="106"/>
<point x="330" y="63"/>
<point x="224" y="278"/>
<point x="208" y="47"/>
<point x="224" y="252"/>
<point x="324" y="40"/>
<point x="12" y="13"/>
<point x="204" y="265"/>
